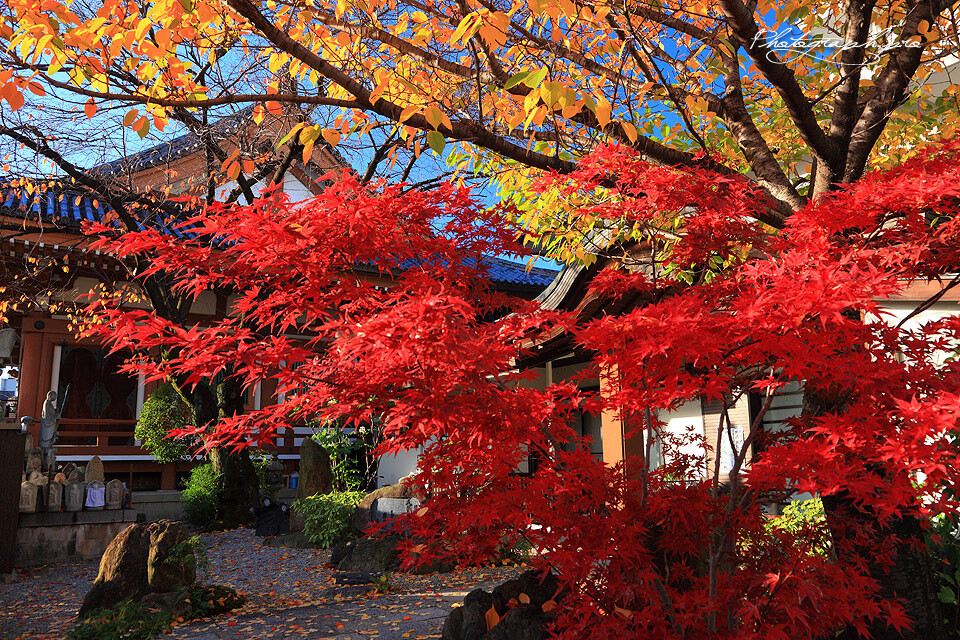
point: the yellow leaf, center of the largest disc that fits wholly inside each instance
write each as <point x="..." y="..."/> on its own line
<point x="434" y="116"/>
<point x="408" y="112"/>
<point x="524" y="598"/>
<point x="549" y="606"/>
<point x="331" y="136"/>
<point x="604" y="108"/>
<point x="629" y="130"/>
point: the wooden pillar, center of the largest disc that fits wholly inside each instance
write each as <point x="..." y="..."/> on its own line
<point x="168" y="477"/>
<point x="11" y="470"/>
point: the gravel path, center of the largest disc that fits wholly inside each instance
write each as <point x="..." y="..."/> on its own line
<point x="291" y="593"/>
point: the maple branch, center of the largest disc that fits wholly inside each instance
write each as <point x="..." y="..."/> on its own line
<point x="932" y="300"/>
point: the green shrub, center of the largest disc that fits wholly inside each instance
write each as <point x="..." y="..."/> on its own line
<point x="189" y="553"/>
<point x="328" y="518"/>
<point x="164" y="411"/>
<point x="344" y="452"/>
<point x="199" y="497"/>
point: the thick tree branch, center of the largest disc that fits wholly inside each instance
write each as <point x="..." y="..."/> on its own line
<point x="890" y="86"/>
<point x="782" y="78"/>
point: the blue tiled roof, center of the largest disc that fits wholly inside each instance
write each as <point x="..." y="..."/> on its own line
<point x="507" y="272"/>
<point x="67" y="209"/>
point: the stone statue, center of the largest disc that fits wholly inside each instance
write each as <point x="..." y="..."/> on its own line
<point x="49" y="423"/>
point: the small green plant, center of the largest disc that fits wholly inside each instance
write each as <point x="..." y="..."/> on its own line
<point x="382" y="584"/>
<point x="131" y="620"/>
<point x="343" y="451"/>
<point x="191" y="551"/>
<point x="127" y="621"/>
<point x="211" y="600"/>
<point x="199" y="497"/>
<point x="328" y="518"/>
<point x="164" y="411"/>
<point x="808" y="519"/>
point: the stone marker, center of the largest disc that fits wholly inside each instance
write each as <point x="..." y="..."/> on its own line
<point x="54" y="497"/>
<point x="36" y="477"/>
<point x="94" y="470"/>
<point x="385" y="508"/>
<point x="316" y="475"/>
<point x="28" y="497"/>
<point x="73" y="496"/>
<point x="363" y="515"/>
<point x="96" y="496"/>
<point x="34" y="460"/>
<point x="114" y="494"/>
<point x="69" y="470"/>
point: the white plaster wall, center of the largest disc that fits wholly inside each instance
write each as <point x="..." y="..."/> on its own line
<point x="687" y="419"/>
<point x="295" y="189"/>
<point x="396" y="466"/>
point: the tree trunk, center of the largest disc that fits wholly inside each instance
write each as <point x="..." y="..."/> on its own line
<point x="238" y="486"/>
<point x="237" y="482"/>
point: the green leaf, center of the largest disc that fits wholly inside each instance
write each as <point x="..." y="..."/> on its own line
<point x="516" y="79"/>
<point x="535" y="78"/>
<point x="436" y="141"/>
<point x="947" y="596"/>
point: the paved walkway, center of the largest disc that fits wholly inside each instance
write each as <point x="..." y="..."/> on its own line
<point x="290" y="593"/>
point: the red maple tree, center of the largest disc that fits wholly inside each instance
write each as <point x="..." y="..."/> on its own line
<point x="665" y="552"/>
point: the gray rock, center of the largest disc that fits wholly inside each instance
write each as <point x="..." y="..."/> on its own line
<point x="524" y="622"/>
<point x="316" y="474"/>
<point x="518" y="621"/>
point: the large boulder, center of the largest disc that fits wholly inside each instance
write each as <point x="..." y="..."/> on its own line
<point x="141" y="559"/>
<point x="316" y="474"/>
<point x="518" y="618"/>
<point x="363" y="516"/>
<point x="171" y="562"/>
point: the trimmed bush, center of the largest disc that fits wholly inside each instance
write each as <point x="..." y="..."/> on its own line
<point x="199" y="497"/>
<point x="328" y="518"/>
<point x="164" y="411"/>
